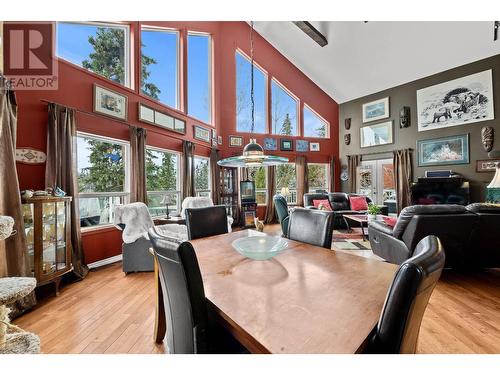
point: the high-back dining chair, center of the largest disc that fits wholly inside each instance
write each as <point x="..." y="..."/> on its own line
<point x="206" y="221"/>
<point x="314" y="227"/>
<point x="282" y="211"/>
<point x="399" y="324"/>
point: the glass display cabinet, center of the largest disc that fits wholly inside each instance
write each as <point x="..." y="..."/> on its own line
<point x="48" y="237"/>
<point x="229" y="191"/>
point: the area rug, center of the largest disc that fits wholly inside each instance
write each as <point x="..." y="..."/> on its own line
<point x="344" y="240"/>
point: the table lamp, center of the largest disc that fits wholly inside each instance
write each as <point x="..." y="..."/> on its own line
<point x="285" y="191"/>
<point x="493" y="189"/>
<point x="167" y="200"/>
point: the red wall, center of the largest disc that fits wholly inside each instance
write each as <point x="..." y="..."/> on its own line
<point x="76" y="90"/>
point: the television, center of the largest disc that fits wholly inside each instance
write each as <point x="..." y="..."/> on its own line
<point x="436" y="190"/>
<point x="247" y="191"/>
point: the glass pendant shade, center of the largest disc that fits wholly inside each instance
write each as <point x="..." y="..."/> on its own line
<point x="252" y="156"/>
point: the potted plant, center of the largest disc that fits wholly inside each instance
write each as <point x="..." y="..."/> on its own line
<point x="373" y="211"/>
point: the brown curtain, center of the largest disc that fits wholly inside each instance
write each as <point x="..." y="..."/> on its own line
<point x="271" y="190"/>
<point x="302" y="178"/>
<point x="403" y="176"/>
<point x="60" y="171"/>
<point x="353" y="162"/>
<point x="187" y="169"/>
<point x="215" y="175"/>
<point x="332" y="174"/>
<point x="139" y="191"/>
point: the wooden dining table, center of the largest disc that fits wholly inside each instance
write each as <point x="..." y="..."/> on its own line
<point x="307" y="299"/>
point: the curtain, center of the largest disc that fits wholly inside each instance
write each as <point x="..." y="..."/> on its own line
<point x="353" y="162"/>
<point x="187" y="169"/>
<point x="332" y="174"/>
<point x="302" y="179"/>
<point x="215" y="175"/>
<point x="60" y="171"/>
<point x="139" y="191"/>
<point x="271" y="190"/>
<point x="403" y="176"/>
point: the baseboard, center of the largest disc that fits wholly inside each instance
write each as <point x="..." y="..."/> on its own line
<point x="103" y="262"/>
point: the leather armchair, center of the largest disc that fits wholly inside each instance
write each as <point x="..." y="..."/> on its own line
<point x="485" y="240"/>
<point x="282" y="211"/>
<point x="314" y="227"/>
<point x="309" y="199"/>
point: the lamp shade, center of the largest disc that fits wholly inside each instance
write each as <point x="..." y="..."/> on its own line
<point x="285" y="191"/>
<point x="495" y="183"/>
<point x="167" y="199"/>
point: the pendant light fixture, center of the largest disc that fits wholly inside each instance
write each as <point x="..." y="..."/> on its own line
<point x="253" y="153"/>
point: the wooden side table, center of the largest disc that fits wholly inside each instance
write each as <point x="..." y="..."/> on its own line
<point x="170" y="220"/>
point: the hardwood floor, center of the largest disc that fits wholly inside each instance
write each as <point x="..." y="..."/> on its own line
<point x="109" y="312"/>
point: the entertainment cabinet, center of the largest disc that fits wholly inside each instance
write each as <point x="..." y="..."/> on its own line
<point x="440" y="190"/>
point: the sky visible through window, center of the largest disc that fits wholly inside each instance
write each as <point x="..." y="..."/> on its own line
<point x="198" y="71"/>
<point x="314" y="126"/>
<point x="284" y="111"/>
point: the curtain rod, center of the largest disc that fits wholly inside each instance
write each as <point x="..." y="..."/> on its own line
<point x="119" y="121"/>
<point x="381" y="152"/>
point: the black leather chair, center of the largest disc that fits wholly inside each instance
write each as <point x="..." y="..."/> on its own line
<point x="484" y="244"/>
<point x="452" y="224"/>
<point x="399" y="324"/>
<point x="206" y="221"/>
<point x="281" y="208"/>
<point x="309" y="199"/>
<point x="314" y="227"/>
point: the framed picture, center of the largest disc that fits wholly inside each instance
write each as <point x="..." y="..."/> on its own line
<point x="443" y="151"/>
<point x="235" y="141"/>
<point x="179" y="126"/>
<point x="376" y="135"/>
<point x="270" y="144"/>
<point x="201" y="133"/>
<point x="286" y="145"/>
<point x="164" y="120"/>
<point x="146" y="114"/>
<point x="486" y="165"/>
<point x="219" y="139"/>
<point x="110" y="103"/>
<point x="376" y="110"/>
<point x="301" y="145"/>
<point x="314" y="146"/>
<point x="460" y="101"/>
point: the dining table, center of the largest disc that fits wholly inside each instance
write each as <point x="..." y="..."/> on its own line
<point x="307" y="299"/>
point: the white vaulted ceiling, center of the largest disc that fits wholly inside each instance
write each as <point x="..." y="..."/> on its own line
<point x="364" y="58"/>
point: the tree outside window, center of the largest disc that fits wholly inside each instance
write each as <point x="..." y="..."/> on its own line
<point x="286" y="177"/>
<point x="202" y="177"/>
<point x="284" y="111"/>
<point x="318" y="177"/>
<point x="259" y="176"/>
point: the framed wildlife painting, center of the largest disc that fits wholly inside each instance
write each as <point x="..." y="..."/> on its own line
<point x="443" y="151"/>
<point x="376" y="110"/>
<point x="110" y="103"/>
<point x="458" y="102"/>
<point x="376" y="135"/>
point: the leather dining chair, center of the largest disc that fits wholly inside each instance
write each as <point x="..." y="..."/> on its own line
<point x="399" y="324"/>
<point x="206" y="221"/>
<point x="314" y="227"/>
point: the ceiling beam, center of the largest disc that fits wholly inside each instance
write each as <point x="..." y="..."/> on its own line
<point x="312" y="32"/>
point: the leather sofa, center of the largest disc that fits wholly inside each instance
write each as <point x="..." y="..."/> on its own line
<point x="467" y="234"/>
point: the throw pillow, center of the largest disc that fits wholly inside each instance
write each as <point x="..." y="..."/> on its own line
<point x="323" y="202"/>
<point x="358" y="203"/>
<point x="390" y="221"/>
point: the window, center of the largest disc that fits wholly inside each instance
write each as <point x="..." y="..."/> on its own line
<point x="101" y="48"/>
<point x="102" y="167"/>
<point x="162" y="179"/>
<point x="286" y="180"/>
<point x="259" y="176"/>
<point x="284" y="111"/>
<point x="202" y="177"/>
<point x="317" y="176"/>
<point x="160" y="65"/>
<point x="199" y="72"/>
<point x="314" y="125"/>
<point x="243" y="101"/>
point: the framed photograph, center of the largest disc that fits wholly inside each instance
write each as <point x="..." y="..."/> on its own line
<point x="443" y="151"/>
<point x="286" y="145"/>
<point x="270" y="144"/>
<point x="314" y="146"/>
<point x="201" y="133"/>
<point x="110" y="103"/>
<point x="301" y="145"/>
<point x="164" y="120"/>
<point x="376" y="110"/>
<point x="376" y="135"/>
<point x="486" y="165"/>
<point x="219" y="139"/>
<point x="179" y="126"/>
<point x="146" y="114"/>
<point x="461" y="101"/>
<point x="235" y="141"/>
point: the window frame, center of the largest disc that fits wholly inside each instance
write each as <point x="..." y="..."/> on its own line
<point x="327" y="124"/>
<point x="128" y="81"/>
<point x="327" y="173"/>
<point x="125" y="195"/>
<point x="289" y="202"/>
<point x="209" y="190"/>
<point x="297" y="106"/>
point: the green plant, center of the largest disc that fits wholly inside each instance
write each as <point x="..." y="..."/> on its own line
<point x="373" y="209"/>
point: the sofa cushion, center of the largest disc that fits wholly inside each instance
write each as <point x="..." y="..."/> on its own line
<point x="358" y="203"/>
<point x="324" y="202"/>
<point x="390" y="221"/>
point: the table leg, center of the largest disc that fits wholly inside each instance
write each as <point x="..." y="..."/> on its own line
<point x="160" y="323"/>
<point x="364" y="236"/>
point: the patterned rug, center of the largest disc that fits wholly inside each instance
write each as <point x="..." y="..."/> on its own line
<point x="344" y="240"/>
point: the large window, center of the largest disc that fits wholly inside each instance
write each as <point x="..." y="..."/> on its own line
<point x="199" y="72"/>
<point x="259" y="176"/>
<point x="243" y="100"/>
<point x="318" y="177"/>
<point x="103" y="181"/>
<point x="101" y="48"/>
<point x="202" y="180"/>
<point x="160" y="65"/>
<point x="162" y="180"/>
<point x="286" y="181"/>
<point x="284" y="111"/>
<point x="314" y="125"/>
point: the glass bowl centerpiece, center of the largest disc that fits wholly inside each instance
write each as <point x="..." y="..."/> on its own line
<point x="260" y="247"/>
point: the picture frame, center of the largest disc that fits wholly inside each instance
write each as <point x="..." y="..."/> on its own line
<point x="461" y="101"/>
<point x="270" y="144"/>
<point x="152" y="116"/>
<point x="164" y="120"/>
<point x="484" y="166"/>
<point x="179" y="126"/>
<point x="376" y="134"/>
<point x="286" y="144"/>
<point x="448" y="150"/>
<point x="219" y="139"/>
<point x="201" y="133"/>
<point x="376" y="110"/>
<point x="146" y="114"/>
<point x="110" y="103"/>
<point x="314" y="146"/>
<point x="301" y="145"/>
<point x="235" y="141"/>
